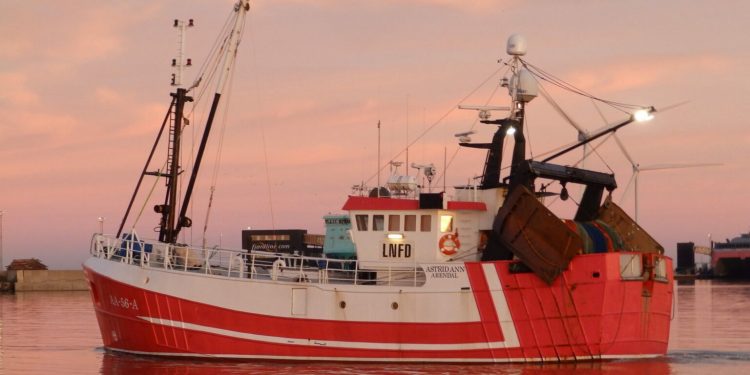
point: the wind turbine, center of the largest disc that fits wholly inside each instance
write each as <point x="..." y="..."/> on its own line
<point x="583" y="134"/>
<point x="637" y="169"/>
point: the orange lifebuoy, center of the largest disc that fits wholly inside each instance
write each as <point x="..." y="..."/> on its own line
<point x="449" y="244"/>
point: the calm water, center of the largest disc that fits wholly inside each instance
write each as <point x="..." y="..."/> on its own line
<point x="56" y="333"/>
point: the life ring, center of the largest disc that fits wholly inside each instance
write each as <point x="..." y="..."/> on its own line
<point x="449" y="244"/>
<point x="279" y="263"/>
<point x="277" y="267"/>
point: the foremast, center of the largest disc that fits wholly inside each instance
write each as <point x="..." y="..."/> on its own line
<point x="522" y="89"/>
<point x="172" y="222"/>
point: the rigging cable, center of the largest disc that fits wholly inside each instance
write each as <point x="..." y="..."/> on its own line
<point x="541" y="74"/>
<point x="471" y="128"/>
<point x="436" y="123"/>
<point x="583" y="134"/>
<point x="228" y="85"/>
<point x="213" y="58"/>
<point x="262" y="129"/>
<point x="148" y="197"/>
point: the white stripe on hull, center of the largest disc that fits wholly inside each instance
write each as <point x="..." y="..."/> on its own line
<point x="323" y="343"/>
<point x="501" y="306"/>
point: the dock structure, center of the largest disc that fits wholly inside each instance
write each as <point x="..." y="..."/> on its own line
<point x="50" y="280"/>
<point x="25" y="275"/>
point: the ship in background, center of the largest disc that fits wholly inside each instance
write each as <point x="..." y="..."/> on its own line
<point x="726" y="260"/>
<point x="478" y="273"/>
<point x="731" y="259"/>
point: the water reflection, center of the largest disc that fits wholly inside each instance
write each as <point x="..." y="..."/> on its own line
<point x="114" y="363"/>
<point x="712" y="315"/>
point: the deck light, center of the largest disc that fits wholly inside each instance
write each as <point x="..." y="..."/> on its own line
<point x="511" y="130"/>
<point x="643" y="115"/>
<point x="395" y="236"/>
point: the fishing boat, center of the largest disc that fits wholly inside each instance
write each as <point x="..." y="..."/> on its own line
<point x="482" y="273"/>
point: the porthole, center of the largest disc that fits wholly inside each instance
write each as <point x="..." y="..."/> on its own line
<point x="342" y="304"/>
<point x="394" y="305"/>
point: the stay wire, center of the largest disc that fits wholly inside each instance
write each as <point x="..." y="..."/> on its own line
<point x="543" y="75"/>
<point x="214" y="54"/>
<point x="226" y="87"/>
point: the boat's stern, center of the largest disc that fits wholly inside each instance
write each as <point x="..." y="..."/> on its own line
<point x="605" y="305"/>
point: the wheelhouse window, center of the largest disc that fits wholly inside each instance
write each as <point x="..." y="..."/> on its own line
<point x="362" y="222"/>
<point x="378" y="222"/>
<point x="425" y="223"/>
<point x="446" y="223"/>
<point x="394" y="223"/>
<point x="410" y="223"/>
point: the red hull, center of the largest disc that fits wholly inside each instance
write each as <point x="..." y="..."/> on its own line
<point x="589" y="312"/>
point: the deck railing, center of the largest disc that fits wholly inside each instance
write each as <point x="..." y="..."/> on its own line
<point x="252" y="264"/>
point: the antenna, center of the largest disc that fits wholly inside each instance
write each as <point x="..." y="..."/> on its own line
<point x="445" y="166"/>
<point x="378" y="165"/>
<point x="484" y="110"/>
<point x="407" y="133"/>
<point x="179" y="64"/>
<point x="429" y="173"/>
<point x="1" y="238"/>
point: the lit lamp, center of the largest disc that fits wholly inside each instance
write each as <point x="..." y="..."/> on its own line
<point x="395" y="236"/>
<point x="643" y="115"/>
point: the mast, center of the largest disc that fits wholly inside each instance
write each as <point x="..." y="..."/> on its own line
<point x="168" y="209"/>
<point x="522" y="90"/>
<point x="229" y="56"/>
<point x="171" y="222"/>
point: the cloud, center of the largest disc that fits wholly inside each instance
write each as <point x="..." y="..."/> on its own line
<point x="15" y="91"/>
<point x="642" y="73"/>
<point x="464" y="5"/>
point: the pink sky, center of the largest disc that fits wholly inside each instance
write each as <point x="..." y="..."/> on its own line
<point x="85" y="87"/>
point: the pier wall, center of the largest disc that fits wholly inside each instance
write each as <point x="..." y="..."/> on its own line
<point x="48" y="280"/>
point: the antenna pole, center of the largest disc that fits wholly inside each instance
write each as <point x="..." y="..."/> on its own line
<point x="445" y="166"/>
<point x="179" y="62"/>
<point x="378" y="166"/>
<point x="1" y="238"/>
<point x="407" y="134"/>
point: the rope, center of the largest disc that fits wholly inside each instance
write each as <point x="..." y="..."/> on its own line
<point x="228" y="85"/>
<point x="213" y="58"/>
<point x="262" y="126"/>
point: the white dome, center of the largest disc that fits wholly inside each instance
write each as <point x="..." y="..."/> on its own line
<point x="516" y="45"/>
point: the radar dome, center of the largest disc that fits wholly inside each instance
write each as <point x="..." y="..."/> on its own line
<point x="524" y="86"/>
<point x="516" y="45"/>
